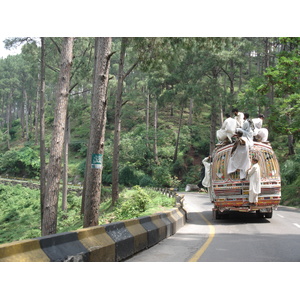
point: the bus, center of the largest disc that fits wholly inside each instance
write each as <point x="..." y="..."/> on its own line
<point x="229" y="193"/>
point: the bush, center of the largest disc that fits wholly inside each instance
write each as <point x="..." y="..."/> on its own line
<point x="19" y="213"/>
<point x="79" y="148"/>
<point x="290" y="194"/>
<point x="163" y="178"/>
<point x="146" y="180"/>
<point x="132" y="204"/>
<point x="128" y="177"/>
<point x="22" y="162"/>
<point x="289" y="171"/>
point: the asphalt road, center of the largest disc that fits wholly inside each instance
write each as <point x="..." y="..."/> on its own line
<point x="241" y="237"/>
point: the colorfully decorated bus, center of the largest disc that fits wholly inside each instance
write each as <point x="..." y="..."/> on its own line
<point x="229" y="193"/>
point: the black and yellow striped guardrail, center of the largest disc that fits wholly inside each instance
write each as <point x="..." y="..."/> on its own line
<point x="106" y="243"/>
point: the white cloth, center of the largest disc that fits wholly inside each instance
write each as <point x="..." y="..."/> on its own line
<point x="247" y="132"/>
<point x="240" y="159"/>
<point x="263" y="133"/>
<point x="239" y="119"/>
<point x="257" y="122"/>
<point x="254" y="183"/>
<point x="206" y="179"/>
<point x="227" y="130"/>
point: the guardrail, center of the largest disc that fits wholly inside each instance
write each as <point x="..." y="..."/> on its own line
<point x="106" y="243"/>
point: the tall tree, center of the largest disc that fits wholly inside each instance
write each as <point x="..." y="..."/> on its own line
<point x="284" y="77"/>
<point x="97" y="132"/>
<point x="118" y="106"/>
<point x="54" y="169"/>
<point x="65" y="168"/>
<point x="42" y="131"/>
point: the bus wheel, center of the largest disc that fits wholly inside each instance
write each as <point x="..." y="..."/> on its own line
<point x="259" y="214"/>
<point x="216" y="214"/>
<point x="269" y="215"/>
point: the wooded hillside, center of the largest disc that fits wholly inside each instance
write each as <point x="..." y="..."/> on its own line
<point x="145" y="110"/>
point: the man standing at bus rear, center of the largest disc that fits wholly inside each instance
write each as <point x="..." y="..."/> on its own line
<point x="206" y="181"/>
<point x="254" y="181"/>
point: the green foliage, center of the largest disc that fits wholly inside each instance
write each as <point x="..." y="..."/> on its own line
<point x="163" y="178"/>
<point x="128" y="177"/>
<point x="132" y="203"/>
<point x="19" y="213"/>
<point x="290" y="194"/>
<point x="138" y="202"/>
<point x="228" y="72"/>
<point x="289" y="171"/>
<point x="21" y="162"/>
<point x="80" y="148"/>
<point x="192" y="176"/>
<point x="284" y="79"/>
<point x="20" y="210"/>
<point x="146" y="180"/>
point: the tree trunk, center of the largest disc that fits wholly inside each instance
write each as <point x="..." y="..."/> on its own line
<point x="291" y="144"/>
<point x="214" y="105"/>
<point x="118" y="106"/>
<point x="147" y="117"/>
<point x="191" y="111"/>
<point x="8" y="124"/>
<point x="54" y="169"/>
<point x="96" y="61"/>
<point x="22" y="118"/>
<point x="155" y="132"/>
<point x="42" y="132"/>
<point x="290" y="138"/>
<point x="178" y="136"/>
<point x="97" y="132"/>
<point x="117" y="131"/>
<point x="213" y="127"/>
<point x="26" y="115"/>
<point x="36" y="114"/>
<point x="66" y="159"/>
<point x="240" y="78"/>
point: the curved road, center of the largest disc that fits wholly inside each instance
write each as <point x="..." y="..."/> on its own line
<point x="239" y="238"/>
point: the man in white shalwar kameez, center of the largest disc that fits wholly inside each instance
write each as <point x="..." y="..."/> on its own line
<point x="260" y="133"/>
<point x="254" y="181"/>
<point x="206" y="180"/>
<point x="247" y="130"/>
<point x="239" y="159"/>
<point x="207" y="163"/>
<point x="227" y="130"/>
<point x="239" y="117"/>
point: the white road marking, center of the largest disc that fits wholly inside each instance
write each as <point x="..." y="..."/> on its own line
<point x="280" y="216"/>
<point x="297" y="225"/>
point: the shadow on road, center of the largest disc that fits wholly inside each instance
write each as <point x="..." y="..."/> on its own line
<point x="232" y="218"/>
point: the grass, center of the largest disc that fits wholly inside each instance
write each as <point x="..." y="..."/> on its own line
<point x="20" y="210"/>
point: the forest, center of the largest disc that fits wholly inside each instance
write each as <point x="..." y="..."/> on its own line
<point x="112" y="113"/>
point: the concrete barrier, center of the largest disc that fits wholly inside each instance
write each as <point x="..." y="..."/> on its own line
<point x="124" y="240"/>
<point x="139" y="233"/>
<point x="111" y="242"/>
<point x="168" y="223"/>
<point x="99" y="244"/>
<point x="64" y="247"/>
<point x="21" y="251"/>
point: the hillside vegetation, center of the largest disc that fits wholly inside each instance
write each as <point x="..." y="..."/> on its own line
<point x="20" y="210"/>
<point x="174" y="94"/>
